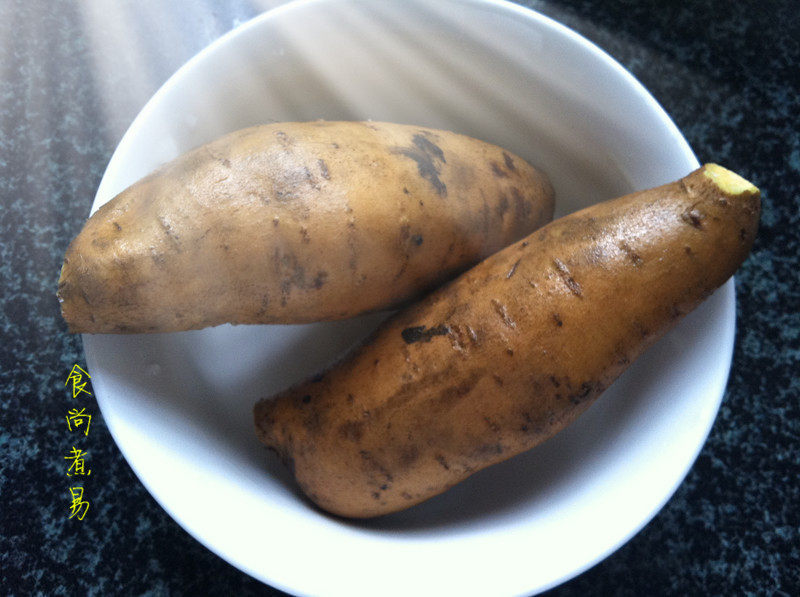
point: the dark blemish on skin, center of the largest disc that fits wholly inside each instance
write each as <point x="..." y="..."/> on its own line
<point x="420" y="334"/>
<point x="312" y="421"/>
<point x="352" y="245"/>
<point x="489" y="450"/>
<point x="522" y="208"/>
<point x="441" y="460"/>
<point x="513" y="269"/>
<point x="557" y="319"/>
<point x="226" y="162"/>
<point x="583" y="393"/>
<point x="306" y="399"/>
<point x="293" y="275"/>
<point x="429" y="146"/>
<point x="350" y="399"/>
<point x="500" y="309"/>
<point x="264" y="305"/>
<point x="384" y="487"/>
<point x="311" y="178"/>
<point x="283" y="138"/>
<point x="426" y="154"/>
<point x="554" y="381"/>
<point x="100" y="243"/>
<point x="376" y="495"/>
<point x="502" y="206"/>
<point x="352" y="430"/>
<point x="497" y="379"/>
<point x="406" y="191"/>
<point x="524" y="244"/>
<point x="632" y="255"/>
<point x="498" y="171"/>
<point x="406" y="496"/>
<point x="158" y="258"/>
<point x="509" y="162"/>
<point x="323" y="168"/>
<point x="688" y="250"/>
<point x="304" y="233"/>
<point x="169" y="231"/>
<point x="319" y="280"/>
<point x="454" y="393"/>
<point x="567" y="278"/>
<point x="405" y="232"/>
<point x="417" y="239"/>
<point x="408" y="456"/>
<point x="510" y="352"/>
<point x="694" y="218"/>
<point x="370" y="460"/>
<point x="117" y="227"/>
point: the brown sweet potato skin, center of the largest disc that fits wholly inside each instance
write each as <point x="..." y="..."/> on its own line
<point x="509" y="353"/>
<point x="297" y="222"/>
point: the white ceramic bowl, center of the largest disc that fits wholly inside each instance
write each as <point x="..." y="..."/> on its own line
<point x="179" y="405"/>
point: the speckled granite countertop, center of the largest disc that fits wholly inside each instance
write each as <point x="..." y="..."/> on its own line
<point x="722" y="70"/>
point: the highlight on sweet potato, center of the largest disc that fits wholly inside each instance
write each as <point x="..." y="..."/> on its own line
<point x="512" y="351"/>
<point x="297" y="222"/>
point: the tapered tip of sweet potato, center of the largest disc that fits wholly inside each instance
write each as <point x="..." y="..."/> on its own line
<point x="728" y="182"/>
<point x="66" y="299"/>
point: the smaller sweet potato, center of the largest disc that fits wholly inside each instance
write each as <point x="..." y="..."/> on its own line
<point x="297" y="222"/>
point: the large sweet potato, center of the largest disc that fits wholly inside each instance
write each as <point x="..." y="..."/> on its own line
<point x="513" y="350"/>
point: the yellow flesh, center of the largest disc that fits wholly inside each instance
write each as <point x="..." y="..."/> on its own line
<point x="729" y="182"/>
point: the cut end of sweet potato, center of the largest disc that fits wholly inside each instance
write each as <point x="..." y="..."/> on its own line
<point x="729" y="182"/>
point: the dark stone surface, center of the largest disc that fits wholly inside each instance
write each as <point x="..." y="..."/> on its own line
<point x="722" y="70"/>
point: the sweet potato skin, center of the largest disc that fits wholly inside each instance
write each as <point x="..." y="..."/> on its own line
<point x="297" y="222"/>
<point x="509" y="353"/>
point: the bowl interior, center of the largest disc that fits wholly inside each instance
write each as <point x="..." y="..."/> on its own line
<point x="179" y="405"/>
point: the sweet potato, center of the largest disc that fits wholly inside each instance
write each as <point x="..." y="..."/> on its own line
<point x="512" y="351"/>
<point x="297" y="222"/>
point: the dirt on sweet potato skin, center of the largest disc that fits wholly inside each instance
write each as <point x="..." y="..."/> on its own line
<point x="510" y="352"/>
<point x="297" y="222"/>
